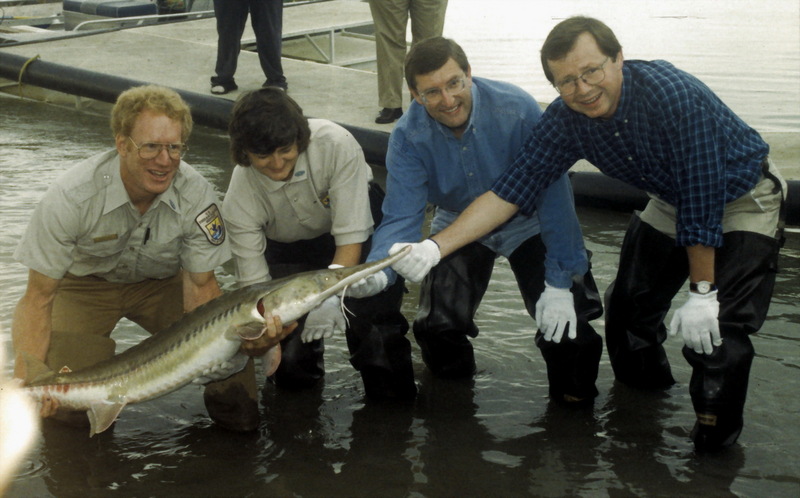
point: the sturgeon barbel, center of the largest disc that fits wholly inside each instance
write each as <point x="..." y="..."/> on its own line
<point x="204" y="344"/>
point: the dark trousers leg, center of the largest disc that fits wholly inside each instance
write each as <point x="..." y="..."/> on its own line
<point x="231" y="16"/>
<point x="379" y="349"/>
<point x="745" y="269"/>
<point x="267" y="19"/>
<point x="651" y="271"/>
<point x="572" y="364"/>
<point x="449" y="297"/>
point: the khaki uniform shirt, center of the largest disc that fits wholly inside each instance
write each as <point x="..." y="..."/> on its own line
<point x="327" y="193"/>
<point x="86" y="225"/>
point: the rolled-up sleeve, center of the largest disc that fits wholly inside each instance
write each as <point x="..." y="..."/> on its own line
<point x="351" y="221"/>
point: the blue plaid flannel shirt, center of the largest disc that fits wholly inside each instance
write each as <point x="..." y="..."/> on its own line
<point x="670" y="136"/>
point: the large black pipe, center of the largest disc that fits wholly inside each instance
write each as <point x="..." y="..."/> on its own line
<point x="591" y="189"/>
<point x="206" y="110"/>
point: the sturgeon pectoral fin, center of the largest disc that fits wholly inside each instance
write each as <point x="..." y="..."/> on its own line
<point x="103" y="413"/>
<point x="223" y="370"/>
<point x="271" y="360"/>
<point x="249" y="331"/>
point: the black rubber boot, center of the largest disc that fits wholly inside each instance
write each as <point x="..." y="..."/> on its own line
<point x="379" y="349"/>
<point x="651" y="271"/>
<point x="233" y="402"/>
<point x="572" y="364"/>
<point x="449" y="297"/>
<point x="745" y="269"/>
<point x="302" y="363"/>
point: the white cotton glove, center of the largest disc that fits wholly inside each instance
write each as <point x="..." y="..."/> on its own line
<point x="368" y="286"/>
<point x="323" y="321"/>
<point x="417" y="263"/>
<point x="554" y="310"/>
<point x="697" y="322"/>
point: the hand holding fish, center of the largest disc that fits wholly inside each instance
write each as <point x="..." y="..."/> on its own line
<point x="324" y="320"/>
<point x="369" y="286"/>
<point x="48" y="406"/>
<point x="423" y="256"/>
<point x="274" y="333"/>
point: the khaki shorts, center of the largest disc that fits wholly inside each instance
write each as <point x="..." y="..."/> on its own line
<point x="757" y="211"/>
<point x="86" y="310"/>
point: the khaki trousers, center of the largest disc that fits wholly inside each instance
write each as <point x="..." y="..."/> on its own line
<point x="86" y="310"/>
<point x="757" y="211"/>
<point x="391" y="22"/>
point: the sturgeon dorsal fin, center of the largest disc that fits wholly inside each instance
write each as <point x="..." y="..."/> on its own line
<point x="103" y="413"/>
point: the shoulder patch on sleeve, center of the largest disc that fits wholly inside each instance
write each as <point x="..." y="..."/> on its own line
<point x="210" y="222"/>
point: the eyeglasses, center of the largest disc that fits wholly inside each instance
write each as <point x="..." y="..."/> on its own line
<point x="152" y="150"/>
<point x="592" y="76"/>
<point x="435" y="95"/>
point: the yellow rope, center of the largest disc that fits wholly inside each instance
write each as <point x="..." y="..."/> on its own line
<point x="22" y="71"/>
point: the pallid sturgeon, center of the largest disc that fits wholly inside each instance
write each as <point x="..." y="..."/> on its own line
<point x="202" y="346"/>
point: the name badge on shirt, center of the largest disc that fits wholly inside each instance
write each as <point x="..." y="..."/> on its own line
<point x="105" y="238"/>
<point x="210" y="222"/>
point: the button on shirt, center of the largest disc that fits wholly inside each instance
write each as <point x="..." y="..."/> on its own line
<point x="670" y="136"/>
<point x="327" y="193"/>
<point x="426" y="163"/>
<point x="86" y="225"/>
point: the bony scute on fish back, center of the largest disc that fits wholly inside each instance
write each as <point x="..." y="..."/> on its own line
<point x="207" y="336"/>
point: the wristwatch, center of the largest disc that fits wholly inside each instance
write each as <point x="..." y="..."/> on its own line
<point x="702" y="287"/>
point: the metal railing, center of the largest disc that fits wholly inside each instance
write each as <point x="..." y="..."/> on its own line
<point x="130" y="22"/>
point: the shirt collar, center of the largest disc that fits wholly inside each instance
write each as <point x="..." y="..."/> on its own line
<point x="300" y="174"/>
<point x="170" y="196"/>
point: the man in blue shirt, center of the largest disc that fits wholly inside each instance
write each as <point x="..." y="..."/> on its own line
<point x="458" y="136"/>
<point x="715" y="214"/>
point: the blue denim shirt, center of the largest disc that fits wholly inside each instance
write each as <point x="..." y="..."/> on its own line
<point x="426" y="163"/>
<point x="670" y="136"/>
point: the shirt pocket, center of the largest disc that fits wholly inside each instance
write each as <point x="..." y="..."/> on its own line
<point x="160" y="258"/>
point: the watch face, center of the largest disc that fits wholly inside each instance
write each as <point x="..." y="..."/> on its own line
<point x="703" y="287"/>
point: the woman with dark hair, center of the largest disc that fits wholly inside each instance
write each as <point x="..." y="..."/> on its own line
<point x="302" y="198"/>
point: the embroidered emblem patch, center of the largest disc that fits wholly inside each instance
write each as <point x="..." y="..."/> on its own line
<point x="210" y="222"/>
<point x="325" y="200"/>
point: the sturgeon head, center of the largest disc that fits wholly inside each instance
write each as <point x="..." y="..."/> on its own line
<point x="297" y="294"/>
<point x="204" y="344"/>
